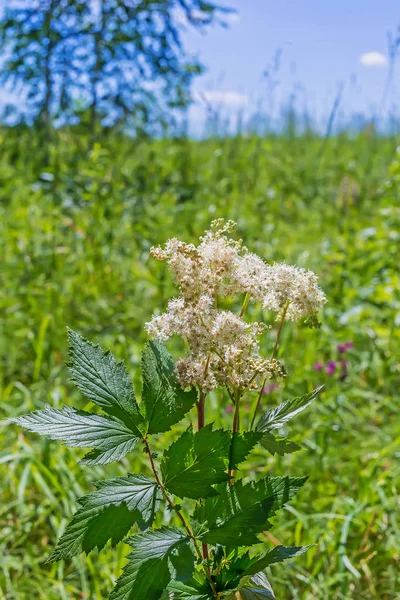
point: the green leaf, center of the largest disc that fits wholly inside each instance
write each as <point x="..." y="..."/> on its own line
<point x="164" y="401"/>
<point x="278" y="445"/>
<point x="242" y="444"/>
<point x="258" y="588"/>
<point x="181" y="563"/>
<point x="195" y="462"/>
<point x="104" y="381"/>
<point x="240" y="512"/>
<point x="142" y="579"/>
<point x="277" y="554"/>
<point x="147" y="573"/>
<point x="277" y="417"/>
<point x="108" y="514"/>
<point x="197" y="588"/>
<point x="231" y="574"/>
<point x="109" y="437"/>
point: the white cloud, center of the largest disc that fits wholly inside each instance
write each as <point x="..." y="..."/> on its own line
<point x="373" y="59"/>
<point x="228" y="98"/>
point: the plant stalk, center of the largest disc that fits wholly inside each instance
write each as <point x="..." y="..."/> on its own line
<point x="245" y="303"/>
<point x="235" y="425"/>
<point x="185" y="524"/>
<point x="201" y="410"/>
<point x="200" y="424"/>
<point x="274" y="349"/>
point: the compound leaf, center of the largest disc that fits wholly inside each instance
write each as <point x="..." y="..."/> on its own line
<point x="257" y="588"/>
<point x="109" y="437"/>
<point x="241" y="445"/>
<point x="231" y="575"/>
<point x="277" y="417"/>
<point x="240" y="512"/>
<point x="147" y="573"/>
<point x="164" y="402"/>
<point x="277" y="444"/>
<point x="195" y="462"/>
<point x="108" y="514"/>
<point x="104" y="381"/>
<point x="197" y="588"/>
<point x="277" y="554"/>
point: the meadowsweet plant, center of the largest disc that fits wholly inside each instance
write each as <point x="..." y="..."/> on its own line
<point x="210" y="548"/>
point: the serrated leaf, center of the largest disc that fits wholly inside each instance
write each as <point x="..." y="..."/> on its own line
<point x="109" y="437"/>
<point x="164" y="402"/>
<point x="277" y="417"/>
<point x="240" y="512"/>
<point x="142" y="580"/>
<point x="241" y="445"/>
<point x="104" y="381"/>
<point x="257" y="588"/>
<point x="181" y="563"/>
<point x="91" y="528"/>
<point x="147" y="573"/>
<point x="108" y="514"/>
<point x="195" y="462"/>
<point x="231" y="575"/>
<point x="277" y="554"/>
<point x="197" y="588"/>
<point x="277" y="444"/>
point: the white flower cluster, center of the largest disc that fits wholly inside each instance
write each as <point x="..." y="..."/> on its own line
<point x="292" y="291"/>
<point x="223" y="350"/>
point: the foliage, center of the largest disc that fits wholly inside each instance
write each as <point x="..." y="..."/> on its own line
<point x="229" y="515"/>
<point x="76" y="225"/>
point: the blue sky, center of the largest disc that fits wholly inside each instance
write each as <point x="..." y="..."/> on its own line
<point x="323" y="44"/>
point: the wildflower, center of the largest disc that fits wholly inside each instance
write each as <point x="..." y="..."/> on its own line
<point x="341" y="348"/>
<point x="268" y="389"/>
<point x="318" y="366"/>
<point x="293" y="293"/>
<point x="202" y="269"/>
<point x="223" y="350"/>
<point x="251" y="276"/>
<point x="331" y="367"/>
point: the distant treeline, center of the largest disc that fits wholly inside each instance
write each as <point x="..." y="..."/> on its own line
<point x="99" y="63"/>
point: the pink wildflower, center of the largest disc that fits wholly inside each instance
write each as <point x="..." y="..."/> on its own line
<point x="272" y="387"/>
<point x="341" y="348"/>
<point x="331" y="367"/>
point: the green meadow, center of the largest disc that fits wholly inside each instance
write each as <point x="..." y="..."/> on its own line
<point x="77" y="221"/>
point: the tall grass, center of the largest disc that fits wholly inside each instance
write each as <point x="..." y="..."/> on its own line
<point x="76" y="224"/>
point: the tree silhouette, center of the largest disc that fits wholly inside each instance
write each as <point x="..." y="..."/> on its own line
<point x="102" y="62"/>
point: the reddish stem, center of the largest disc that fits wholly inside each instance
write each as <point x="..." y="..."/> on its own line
<point x="181" y="517"/>
<point x="200" y="424"/>
<point x="201" y="410"/>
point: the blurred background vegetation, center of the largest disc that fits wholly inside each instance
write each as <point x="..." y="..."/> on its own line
<point x="81" y="205"/>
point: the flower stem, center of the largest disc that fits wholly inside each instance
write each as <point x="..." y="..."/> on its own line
<point x="200" y="424"/>
<point x="200" y="411"/>
<point x="245" y="303"/>
<point x="235" y="425"/>
<point x="274" y="349"/>
<point x="200" y="405"/>
<point x="278" y="335"/>
<point x="236" y="416"/>
<point x="185" y="524"/>
<point x="258" y="404"/>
